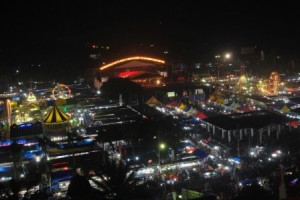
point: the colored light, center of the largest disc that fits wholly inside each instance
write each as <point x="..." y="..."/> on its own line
<point x="132" y="58"/>
<point x="60" y="163"/>
<point x="127" y="74"/>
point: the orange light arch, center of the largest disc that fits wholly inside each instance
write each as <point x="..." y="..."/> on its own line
<point x="130" y="59"/>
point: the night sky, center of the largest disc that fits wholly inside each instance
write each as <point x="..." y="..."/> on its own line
<point x="58" y="35"/>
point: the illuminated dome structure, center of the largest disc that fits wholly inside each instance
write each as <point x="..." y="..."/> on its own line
<point x="146" y="71"/>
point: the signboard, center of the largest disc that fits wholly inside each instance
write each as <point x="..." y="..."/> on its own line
<point x="171" y="94"/>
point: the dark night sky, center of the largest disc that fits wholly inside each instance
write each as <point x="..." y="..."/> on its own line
<point x="56" y="34"/>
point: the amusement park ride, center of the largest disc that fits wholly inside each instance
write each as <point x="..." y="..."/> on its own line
<point x="61" y="91"/>
<point x="33" y="108"/>
<point x="271" y="85"/>
<point x="249" y="85"/>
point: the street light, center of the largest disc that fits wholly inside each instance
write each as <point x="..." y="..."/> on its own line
<point x="162" y="146"/>
<point x="227" y="56"/>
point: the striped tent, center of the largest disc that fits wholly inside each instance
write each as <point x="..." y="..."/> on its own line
<point x="182" y="106"/>
<point x="55" y="124"/>
<point x="56" y="116"/>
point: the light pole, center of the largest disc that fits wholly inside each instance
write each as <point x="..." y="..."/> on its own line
<point x="227" y="57"/>
<point x="218" y="64"/>
<point x="162" y="146"/>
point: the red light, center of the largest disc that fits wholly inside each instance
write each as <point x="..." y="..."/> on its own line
<point x="127" y="74"/>
<point x="294" y="124"/>
<point x="61" y="163"/>
<point x="190" y="150"/>
<point x="65" y="168"/>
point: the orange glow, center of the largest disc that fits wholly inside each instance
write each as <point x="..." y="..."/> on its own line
<point x="132" y="58"/>
<point x="65" y="168"/>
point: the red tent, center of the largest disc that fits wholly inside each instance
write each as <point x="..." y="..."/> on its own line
<point x="245" y="109"/>
<point x="173" y="104"/>
<point x="294" y="123"/>
<point x="201" y="115"/>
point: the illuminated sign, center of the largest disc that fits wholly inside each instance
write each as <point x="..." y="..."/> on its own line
<point x="171" y="94"/>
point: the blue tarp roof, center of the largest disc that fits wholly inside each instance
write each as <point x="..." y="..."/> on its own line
<point x="200" y="153"/>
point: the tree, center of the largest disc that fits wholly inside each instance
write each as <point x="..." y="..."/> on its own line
<point x="80" y="188"/>
<point x="119" y="182"/>
<point x="116" y="86"/>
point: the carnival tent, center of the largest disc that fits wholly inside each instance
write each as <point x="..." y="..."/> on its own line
<point x="245" y="109"/>
<point x="191" y="111"/>
<point x="285" y="109"/>
<point x="153" y="102"/>
<point x="200" y="115"/>
<point x="173" y="104"/>
<point x="56" y="116"/>
<point x="182" y="106"/>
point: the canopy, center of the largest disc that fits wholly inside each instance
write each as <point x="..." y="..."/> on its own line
<point x="201" y="115"/>
<point x="182" y="106"/>
<point x="285" y="109"/>
<point x="245" y="109"/>
<point x="56" y="116"/>
<point x="153" y="101"/>
<point x="191" y="111"/>
<point x="173" y="103"/>
<point x="201" y="154"/>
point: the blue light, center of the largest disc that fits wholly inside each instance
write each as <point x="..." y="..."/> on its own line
<point x="29" y="155"/>
<point x="22" y="125"/>
<point x="3" y="169"/>
<point x="7" y="143"/>
<point x="21" y="141"/>
<point x="28" y="125"/>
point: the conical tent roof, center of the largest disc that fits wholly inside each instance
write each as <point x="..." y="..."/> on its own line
<point x="191" y="109"/>
<point x="56" y="116"/>
<point x="201" y="115"/>
<point x="285" y="109"/>
<point x="182" y="106"/>
<point x="153" y="101"/>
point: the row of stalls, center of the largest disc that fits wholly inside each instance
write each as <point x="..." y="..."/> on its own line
<point x="256" y="123"/>
<point x="187" y="109"/>
<point x="259" y="124"/>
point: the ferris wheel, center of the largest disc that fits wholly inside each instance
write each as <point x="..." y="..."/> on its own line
<point x="274" y="81"/>
<point x="61" y="91"/>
